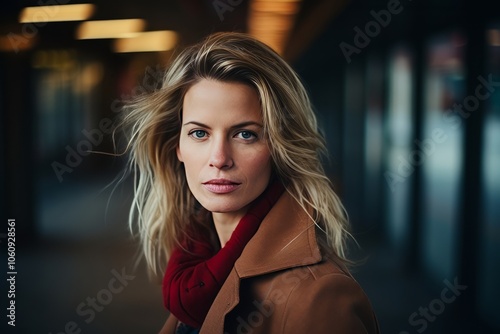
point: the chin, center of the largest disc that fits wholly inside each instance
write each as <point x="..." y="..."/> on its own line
<point x="222" y="208"/>
<point x="218" y="206"/>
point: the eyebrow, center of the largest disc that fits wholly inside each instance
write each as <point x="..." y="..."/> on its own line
<point x="239" y="125"/>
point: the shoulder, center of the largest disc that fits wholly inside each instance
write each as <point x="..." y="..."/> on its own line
<point x="326" y="276"/>
<point x="330" y="299"/>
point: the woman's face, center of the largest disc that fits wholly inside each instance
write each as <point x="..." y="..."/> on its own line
<point x="222" y="145"/>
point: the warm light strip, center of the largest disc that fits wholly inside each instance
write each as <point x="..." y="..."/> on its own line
<point x="271" y="21"/>
<point x="56" y="13"/>
<point x="10" y="43"/>
<point x="110" y="29"/>
<point x="162" y="40"/>
<point x="494" y="37"/>
<point x="286" y="8"/>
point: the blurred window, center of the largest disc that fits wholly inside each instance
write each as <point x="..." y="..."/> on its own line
<point x="399" y="136"/>
<point x="373" y="137"/>
<point x="440" y="151"/>
<point x="489" y="258"/>
<point x="63" y="102"/>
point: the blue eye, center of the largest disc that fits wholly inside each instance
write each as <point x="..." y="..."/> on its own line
<point x="198" y="134"/>
<point x="246" y="135"/>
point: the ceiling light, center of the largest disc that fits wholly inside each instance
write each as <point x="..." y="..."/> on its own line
<point x="110" y="28"/>
<point x="15" y="43"/>
<point x="271" y="21"/>
<point x="286" y="8"/>
<point x="56" y="13"/>
<point x="162" y="40"/>
<point x="494" y="37"/>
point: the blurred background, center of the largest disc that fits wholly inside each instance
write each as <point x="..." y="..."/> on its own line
<point x="408" y="97"/>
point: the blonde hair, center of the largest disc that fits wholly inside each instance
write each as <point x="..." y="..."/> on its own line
<point x="162" y="204"/>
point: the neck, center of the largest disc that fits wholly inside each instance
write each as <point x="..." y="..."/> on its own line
<point x="225" y="223"/>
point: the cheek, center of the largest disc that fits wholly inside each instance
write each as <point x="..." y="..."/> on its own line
<point x="181" y="147"/>
<point x="192" y="157"/>
<point x="260" y="165"/>
<point x="186" y="152"/>
<point x="184" y="156"/>
<point x="178" y="152"/>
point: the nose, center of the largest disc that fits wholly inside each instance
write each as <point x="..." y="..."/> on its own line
<point x="220" y="154"/>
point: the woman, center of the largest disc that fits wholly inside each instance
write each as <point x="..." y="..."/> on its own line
<point x="232" y="203"/>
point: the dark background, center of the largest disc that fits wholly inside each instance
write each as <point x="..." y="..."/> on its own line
<point x="412" y="129"/>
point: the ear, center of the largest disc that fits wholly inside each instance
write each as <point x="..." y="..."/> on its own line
<point x="179" y="155"/>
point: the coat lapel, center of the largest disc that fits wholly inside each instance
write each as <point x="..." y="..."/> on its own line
<point x="285" y="239"/>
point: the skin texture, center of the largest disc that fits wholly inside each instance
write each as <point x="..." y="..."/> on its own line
<point x="222" y="138"/>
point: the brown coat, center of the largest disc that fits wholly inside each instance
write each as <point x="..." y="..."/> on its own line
<point x="282" y="284"/>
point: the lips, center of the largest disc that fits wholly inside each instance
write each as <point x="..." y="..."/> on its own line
<point x="221" y="186"/>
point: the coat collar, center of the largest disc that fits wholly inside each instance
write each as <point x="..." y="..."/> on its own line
<point x="285" y="239"/>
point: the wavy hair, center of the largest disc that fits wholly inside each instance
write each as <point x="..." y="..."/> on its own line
<point x="163" y="205"/>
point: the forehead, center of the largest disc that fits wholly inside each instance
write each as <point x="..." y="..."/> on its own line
<point x="211" y="99"/>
